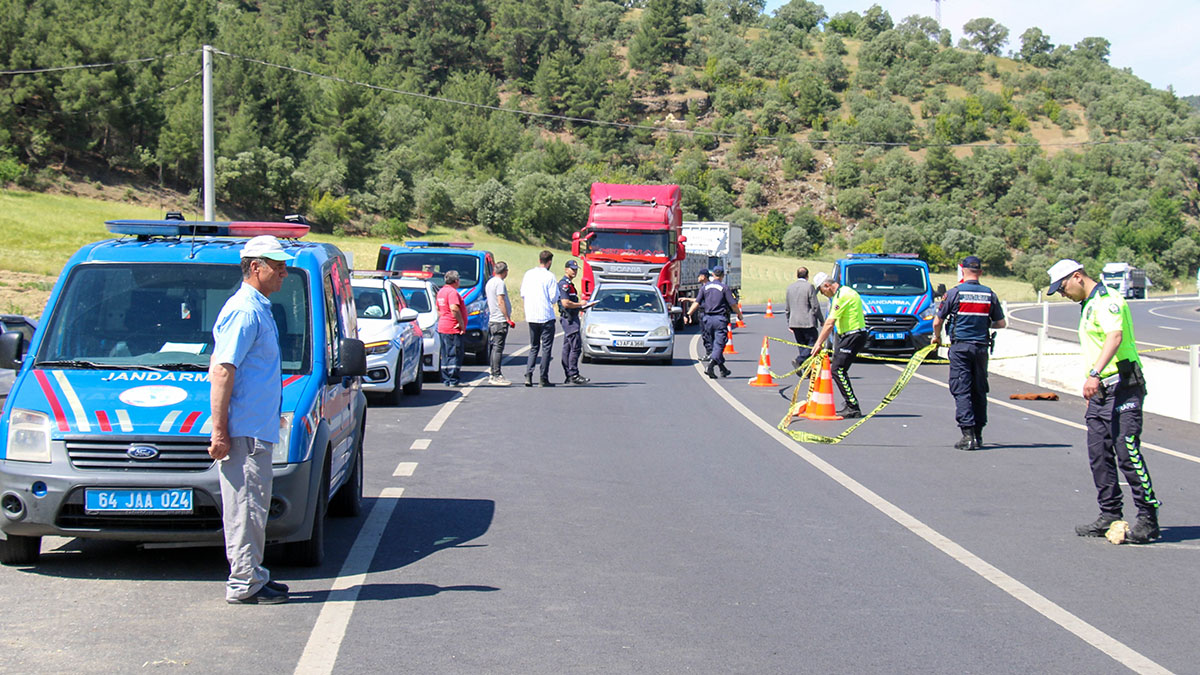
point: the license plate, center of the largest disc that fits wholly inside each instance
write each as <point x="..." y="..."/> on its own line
<point x="628" y="343"/>
<point x="143" y="500"/>
<point x="889" y="336"/>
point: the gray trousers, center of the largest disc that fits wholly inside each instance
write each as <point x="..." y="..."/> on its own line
<point x="245" y="499"/>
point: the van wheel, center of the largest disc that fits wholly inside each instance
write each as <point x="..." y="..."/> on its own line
<point x="413" y="388"/>
<point x="311" y="551"/>
<point x="18" y="550"/>
<point x="347" y="503"/>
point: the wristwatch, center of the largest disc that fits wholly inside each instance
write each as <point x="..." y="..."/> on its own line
<point x="1094" y="373"/>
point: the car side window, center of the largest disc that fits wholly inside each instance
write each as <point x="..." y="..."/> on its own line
<point x="397" y="298"/>
<point x="333" y="354"/>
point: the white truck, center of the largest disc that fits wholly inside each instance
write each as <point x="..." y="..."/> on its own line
<point x="1125" y="279"/>
<point x="720" y="244"/>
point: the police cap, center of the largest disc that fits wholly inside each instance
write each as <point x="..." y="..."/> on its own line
<point x="972" y="262"/>
<point x="572" y="264"/>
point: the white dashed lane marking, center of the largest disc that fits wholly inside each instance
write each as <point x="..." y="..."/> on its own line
<point x="405" y="469"/>
<point x="421" y="444"/>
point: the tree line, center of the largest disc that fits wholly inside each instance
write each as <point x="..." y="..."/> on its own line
<point x="811" y="130"/>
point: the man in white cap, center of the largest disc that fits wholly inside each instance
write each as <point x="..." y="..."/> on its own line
<point x="244" y="376"/>
<point x="1114" y="390"/>
<point x="847" y="314"/>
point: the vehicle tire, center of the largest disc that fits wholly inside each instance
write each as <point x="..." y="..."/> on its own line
<point x="393" y="396"/>
<point x="18" y="550"/>
<point x="413" y="388"/>
<point x="347" y="503"/>
<point x="311" y="551"/>
<point x="585" y="358"/>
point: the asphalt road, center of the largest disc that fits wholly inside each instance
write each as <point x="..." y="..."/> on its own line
<point x="645" y="524"/>
<point x="1156" y="323"/>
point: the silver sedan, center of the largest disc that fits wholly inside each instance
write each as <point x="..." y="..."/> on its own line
<point x="628" y="321"/>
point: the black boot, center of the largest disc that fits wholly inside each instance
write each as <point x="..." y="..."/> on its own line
<point x="1098" y="527"/>
<point x="850" y="412"/>
<point x="967" y="442"/>
<point x="978" y="437"/>
<point x="528" y="379"/>
<point x="708" y="370"/>
<point x="1144" y="530"/>
<point x="724" y="371"/>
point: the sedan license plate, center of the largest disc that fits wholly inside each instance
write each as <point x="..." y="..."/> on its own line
<point x="889" y="336"/>
<point x="628" y="343"/>
<point x="137" y="500"/>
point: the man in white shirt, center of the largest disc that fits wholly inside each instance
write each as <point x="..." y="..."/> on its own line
<point x="539" y="291"/>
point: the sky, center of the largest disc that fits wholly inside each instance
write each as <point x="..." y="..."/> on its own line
<point x="1156" y="39"/>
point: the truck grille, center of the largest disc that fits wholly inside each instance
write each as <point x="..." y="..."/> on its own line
<point x="205" y="516"/>
<point x="891" y="322"/>
<point x="111" y="455"/>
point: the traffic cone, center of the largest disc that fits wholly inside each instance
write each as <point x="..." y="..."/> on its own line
<point x="729" y="342"/>
<point x="820" y="405"/>
<point x="763" y="378"/>
<point x="769" y="314"/>
<point x="740" y="323"/>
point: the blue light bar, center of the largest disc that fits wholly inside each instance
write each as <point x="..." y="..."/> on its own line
<point x="448" y="244"/>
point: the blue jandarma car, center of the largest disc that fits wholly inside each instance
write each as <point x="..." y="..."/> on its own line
<point x="106" y="429"/>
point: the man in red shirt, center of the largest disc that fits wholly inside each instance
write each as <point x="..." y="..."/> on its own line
<point x="452" y="324"/>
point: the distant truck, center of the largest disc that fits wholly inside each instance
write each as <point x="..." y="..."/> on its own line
<point x="720" y="244"/>
<point x="633" y="235"/>
<point x="897" y="299"/>
<point x="1125" y="279"/>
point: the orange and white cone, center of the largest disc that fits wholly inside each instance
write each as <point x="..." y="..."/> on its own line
<point x="729" y="342"/>
<point x="763" y="378"/>
<point x="740" y="323"/>
<point x="769" y="314"/>
<point x="819" y="405"/>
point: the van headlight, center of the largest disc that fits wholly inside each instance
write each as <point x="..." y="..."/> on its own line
<point x="279" y="455"/>
<point x="476" y="308"/>
<point x="597" y="331"/>
<point x="660" y="332"/>
<point x="928" y="313"/>
<point x="28" y="436"/>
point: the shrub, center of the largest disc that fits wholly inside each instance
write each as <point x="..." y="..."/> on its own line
<point x="853" y="202"/>
<point x="327" y="212"/>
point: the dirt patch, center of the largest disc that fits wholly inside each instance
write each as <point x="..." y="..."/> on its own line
<point x="23" y="293"/>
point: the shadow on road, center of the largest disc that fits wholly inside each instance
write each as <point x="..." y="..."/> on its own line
<point x="1180" y="533"/>
<point x="390" y="592"/>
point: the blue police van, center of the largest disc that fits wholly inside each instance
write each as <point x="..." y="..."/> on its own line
<point x="898" y="300"/>
<point x="437" y="257"/>
<point x="105" y="432"/>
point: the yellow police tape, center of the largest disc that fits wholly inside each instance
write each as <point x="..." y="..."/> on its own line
<point x="810" y="369"/>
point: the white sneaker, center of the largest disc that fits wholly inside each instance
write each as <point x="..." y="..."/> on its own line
<point x="499" y="381"/>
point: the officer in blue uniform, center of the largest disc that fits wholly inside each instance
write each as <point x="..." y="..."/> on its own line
<point x="715" y="303"/>
<point x="568" y="312"/>
<point x="970" y="311"/>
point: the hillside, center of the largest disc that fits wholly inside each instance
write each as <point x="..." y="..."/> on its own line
<point x="815" y="132"/>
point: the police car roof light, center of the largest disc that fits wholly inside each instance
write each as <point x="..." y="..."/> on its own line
<point x="451" y="244"/>
<point x="416" y="274"/>
<point x="179" y="228"/>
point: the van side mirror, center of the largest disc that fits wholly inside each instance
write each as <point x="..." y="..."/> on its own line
<point x="354" y="360"/>
<point x="940" y="291"/>
<point x="12" y="350"/>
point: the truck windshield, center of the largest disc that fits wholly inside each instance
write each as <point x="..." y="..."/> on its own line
<point x="439" y="263"/>
<point x="627" y="300"/>
<point x="161" y="315"/>
<point x="888" y="279"/>
<point x="631" y="243"/>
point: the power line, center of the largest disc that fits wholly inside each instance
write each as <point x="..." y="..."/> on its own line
<point x="694" y="132"/>
<point x="29" y="71"/>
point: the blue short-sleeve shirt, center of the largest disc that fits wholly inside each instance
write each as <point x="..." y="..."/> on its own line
<point x="247" y="339"/>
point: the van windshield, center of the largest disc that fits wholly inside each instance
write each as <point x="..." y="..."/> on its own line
<point x="161" y="315"/>
<point x="439" y="263"/>
<point x="889" y="279"/>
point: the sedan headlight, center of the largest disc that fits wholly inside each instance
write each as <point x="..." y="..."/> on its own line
<point x="279" y="454"/>
<point x="378" y="347"/>
<point x="660" y="332"/>
<point x="28" y="436"/>
<point x="597" y="331"/>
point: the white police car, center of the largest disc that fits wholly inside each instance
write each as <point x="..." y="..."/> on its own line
<point x="390" y="333"/>
<point x="420" y="294"/>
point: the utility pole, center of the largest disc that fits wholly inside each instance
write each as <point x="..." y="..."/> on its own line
<point x="937" y="11"/>
<point x="209" y="195"/>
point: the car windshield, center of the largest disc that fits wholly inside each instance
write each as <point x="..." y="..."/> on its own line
<point x="439" y="263"/>
<point x="627" y="300"/>
<point x="371" y="303"/>
<point x="886" y="279"/>
<point x="417" y="299"/>
<point x="161" y="315"/>
<point x="636" y="243"/>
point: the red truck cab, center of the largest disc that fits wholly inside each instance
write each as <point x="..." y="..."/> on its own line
<point x="632" y="236"/>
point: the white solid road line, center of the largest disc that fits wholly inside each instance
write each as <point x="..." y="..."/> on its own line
<point x="1119" y="651"/>
<point x="1052" y="418"/>
<point x="420" y="444"/>
<point x="405" y="469"/>
<point x="321" y="652"/>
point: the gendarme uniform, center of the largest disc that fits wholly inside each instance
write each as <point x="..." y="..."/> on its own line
<point x="716" y="304"/>
<point x="846" y="308"/>
<point x="1114" y="414"/>
<point x="969" y="309"/>
<point x="569" y="318"/>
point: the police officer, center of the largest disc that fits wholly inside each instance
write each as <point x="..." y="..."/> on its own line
<point x="1114" y="390"/>
<point x="846" y="314"/>
<point x="569" y="307"/>
<point x="701" y="278"/>
<point x="970" y="311"/>
<point x="715" y="304"/>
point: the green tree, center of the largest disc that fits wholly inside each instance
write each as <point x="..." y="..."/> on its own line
<point x="1035" y="47"/>
<point x="986" y="34"/>
<point x="661" y="35"/>
<point x="802" y="14"/>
